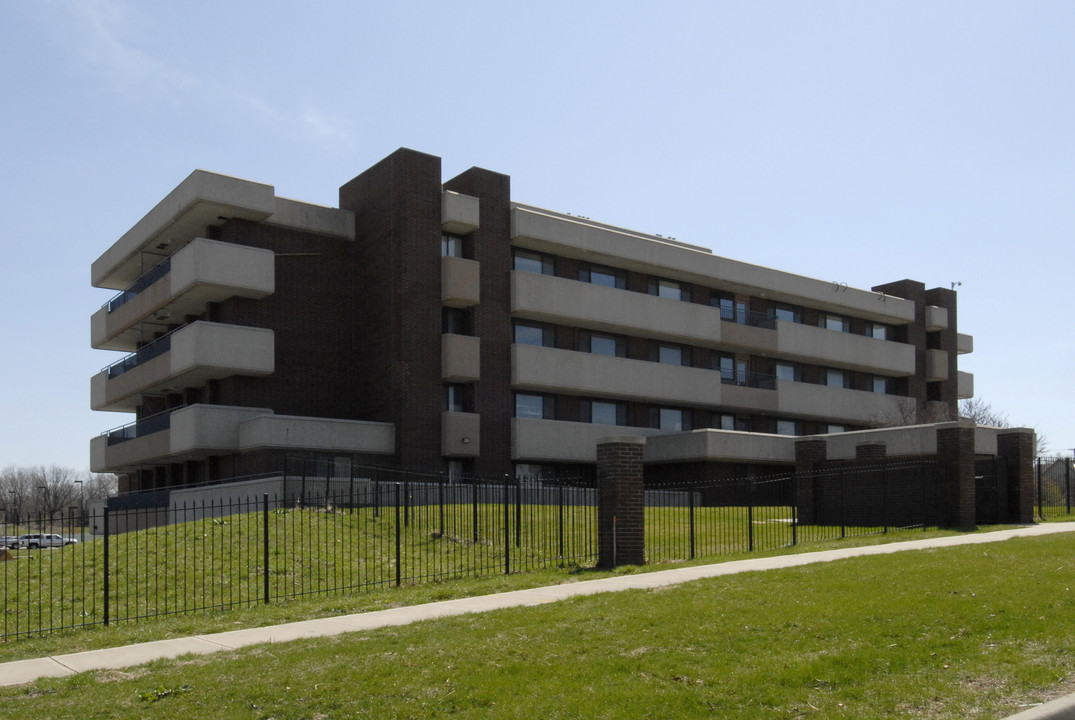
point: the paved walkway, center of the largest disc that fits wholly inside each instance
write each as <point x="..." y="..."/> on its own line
<point x="24" y="671"/>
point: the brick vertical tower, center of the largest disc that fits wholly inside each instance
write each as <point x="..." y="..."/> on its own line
<point x="809" y="454"/>
<point x="955" y="451"/>
<point x="620" y="502"/>
<point x="1015" y="448"/>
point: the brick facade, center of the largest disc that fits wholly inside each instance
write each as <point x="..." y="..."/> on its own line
<point x="621" y="502"/>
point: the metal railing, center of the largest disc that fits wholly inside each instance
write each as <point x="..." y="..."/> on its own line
<point x="322" y="534"/>
<point x="148" y="278"/>
<point x="1053" y="486"/>
<point x="141" y="428"/>
<point x="144" y="354"/>
<point x="693" y="516"/>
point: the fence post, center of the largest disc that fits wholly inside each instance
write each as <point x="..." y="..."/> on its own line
<point x="407" y="503"/>
<point x="794" y="511"/>
<point x="518" y="512"/>
<point x="620" y="501"/>
<point x="440" y="499"/>
<point x="265" y="544"/>
<point x="474" y="504"/>
<point x="399" y="564"/>
<point x="1040" y="489"/>
<point x="843" y="525"/>
<point x="1067" y="475"/>
<point x="106" y="577"/>
<point x="750" y="525"/>
<point x="507" y="529"/>
<point x="884" y="497"/>
<point x="560" y="499"/>
<point x="690" y="502"/>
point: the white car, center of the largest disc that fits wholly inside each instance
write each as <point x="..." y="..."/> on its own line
<point x="45" y="540"/>
<point x="9" y="541"/>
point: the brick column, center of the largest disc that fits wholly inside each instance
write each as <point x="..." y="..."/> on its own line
<point x="871" y="451"/>
<point x="955" y="451"/>
<point x="809" y="455"/>
<point x="1015" y="449"/>
<point x="620" y="502"/>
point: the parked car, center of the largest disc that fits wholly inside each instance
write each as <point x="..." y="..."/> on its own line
<point x="45" y="540"/>
<point x="9" y="541"/>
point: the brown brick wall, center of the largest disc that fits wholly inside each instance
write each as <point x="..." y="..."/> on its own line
<point x="398" y="322"/>
<point x="491" y="246"/>
<point x="621" y="522"/>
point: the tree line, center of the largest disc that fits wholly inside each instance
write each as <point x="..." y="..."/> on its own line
<point x="50" y="491"/>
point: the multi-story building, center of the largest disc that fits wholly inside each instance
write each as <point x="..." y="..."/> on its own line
<point x="438" y="324"/>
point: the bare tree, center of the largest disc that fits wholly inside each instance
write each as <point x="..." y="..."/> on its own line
<point x="982" y="413"/>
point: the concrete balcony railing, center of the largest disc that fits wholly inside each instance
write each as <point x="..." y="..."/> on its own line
<point x="964" y="343"/>
<point x="550" y="370"/>
<point x="558" y="300"/>
<point x="460" y="434"/>
<point x="834" y="404"/>
<point x="459" y="213"/>
<point x="936" y="365"/>
<point x="460" y="358"/>
<point x="964" y="385"/>
<point x="203" y="271"/>
<point x="186" y="358"/>
<point x="820" y="346"/>
<point x="199" y="431"/>
<point x="535" y="440"/>
<point x="460" y="282"/>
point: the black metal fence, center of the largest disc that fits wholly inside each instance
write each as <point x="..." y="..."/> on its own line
<point x="334" y="535"/>
<point x="1053" y="476"/>
<point x="693" y="517"/>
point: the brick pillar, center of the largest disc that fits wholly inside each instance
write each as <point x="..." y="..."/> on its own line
<point x="620" y="502"/>
<point x="871" y="451"/>
<point x="809" y="455"/>
<point x="1015" y="449"/>
<point x="955" y="451"/>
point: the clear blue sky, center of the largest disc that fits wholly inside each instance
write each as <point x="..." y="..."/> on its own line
<point x="856" y="142"/>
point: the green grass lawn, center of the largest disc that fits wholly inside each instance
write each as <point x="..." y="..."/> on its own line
<point x="967" y="632"/>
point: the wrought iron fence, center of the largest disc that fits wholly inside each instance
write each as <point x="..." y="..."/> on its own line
<point x="694" y="516"/>
<point x="319" y="535"/>
<point x="1053" y="477"/>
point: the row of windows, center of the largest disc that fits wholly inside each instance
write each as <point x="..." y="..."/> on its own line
<point x="673" y="419"/>
<point x="731" y="309"/>
<point x="732" y="370"/>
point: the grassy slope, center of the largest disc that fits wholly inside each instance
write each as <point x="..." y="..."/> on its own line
<point x="969" y="632"/>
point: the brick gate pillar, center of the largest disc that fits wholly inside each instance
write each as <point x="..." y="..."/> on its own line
<point x="620" y="502"/>
<point x="955" y="452"/>
<point x="809" y="455"/>
<point x="1015" y="448"/>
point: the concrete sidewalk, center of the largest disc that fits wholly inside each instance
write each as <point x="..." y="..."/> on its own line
<point x="24" y="671"/>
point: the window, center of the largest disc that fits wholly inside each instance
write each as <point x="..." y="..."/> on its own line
<point x="534" y="262"/>
<point x="541" y="407"/>
<point x="531" y="334"/>
<point x="602" y="344"/>
<point x="880" y="385"/>
<point x="835" y="322"/>
<point x="786" y="313"/>
<point x="668" y="289"/>
<point x="601" y="275"/>
<point x="786" y="427"/>
<point x="729" y="371"/>
<point x="730" y="310"/>
<point x="671" y="419"/>
<point x="456" y="398"/>
<point x="724" y="421"/>
<point x="670" y="354"/>
<point x="787" y="371"/>
<point x="877" y="331"/>
<point x="604" y="412"/>
<point x="455" y="321"/>
<point x="451" y="245"/>
<point x="837" y="378"/>
<point x="836" y="429"/>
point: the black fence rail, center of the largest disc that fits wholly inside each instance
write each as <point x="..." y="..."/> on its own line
<point x="341" y="536"/>
<point x="1053" y="477"/>
<point x="696" y="517"/>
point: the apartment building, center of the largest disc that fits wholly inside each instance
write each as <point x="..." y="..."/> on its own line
<point x="438" y="324"/>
